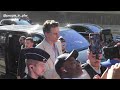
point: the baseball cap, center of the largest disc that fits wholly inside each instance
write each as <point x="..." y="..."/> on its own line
<point x="64" y="57"/>
<point x="37" y="54"/>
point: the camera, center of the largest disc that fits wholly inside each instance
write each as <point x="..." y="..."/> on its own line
<point x="111" y="52"/>
<point x="109" y="49"/>
<point x="104" y="40"/>
<point x="106" y="37"/>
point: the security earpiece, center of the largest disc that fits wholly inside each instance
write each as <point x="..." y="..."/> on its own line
<point x="65" y="70"/>
<point x="31" y="67"/>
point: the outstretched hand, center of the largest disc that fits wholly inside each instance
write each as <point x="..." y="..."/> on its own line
<point x="114" y="72"/>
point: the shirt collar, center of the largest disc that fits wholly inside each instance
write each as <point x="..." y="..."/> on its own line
<point x="98" y="71"/>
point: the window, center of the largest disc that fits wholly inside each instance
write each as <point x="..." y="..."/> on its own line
<point x="8" y="22"/>
<point x="14" y="22"/>
<point x="80" y="29"/>
<point x="37" y="38"/>
<point x="22" y="22"/>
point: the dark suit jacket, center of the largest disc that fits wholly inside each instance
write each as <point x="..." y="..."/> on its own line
<point x="21" y="63"/>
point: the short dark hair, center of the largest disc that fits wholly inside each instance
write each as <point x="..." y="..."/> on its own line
<point x="48" y="24"/>
<point x="30" y="38"/>
<point x="22" y="37"/>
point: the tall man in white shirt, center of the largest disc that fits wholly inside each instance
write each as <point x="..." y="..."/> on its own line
<point x="52" y="46"/>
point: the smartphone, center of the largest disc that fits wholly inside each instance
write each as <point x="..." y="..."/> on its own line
<point x="95" y="44"/>
<point x="106" y="36"/>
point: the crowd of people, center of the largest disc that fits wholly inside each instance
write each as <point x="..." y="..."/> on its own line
<point x="50" y="59"/>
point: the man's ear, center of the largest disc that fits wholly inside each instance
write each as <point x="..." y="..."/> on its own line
<point x="63" y="69"/>
<point x="46" y="34"/>
<point x="30" y="67"/>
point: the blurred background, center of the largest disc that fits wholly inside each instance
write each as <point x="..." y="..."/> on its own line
<point x="103" y="18"/>
<point x="106" y="19"/>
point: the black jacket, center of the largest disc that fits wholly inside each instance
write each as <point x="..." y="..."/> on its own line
<point x="29" y="77"/>
<point x="91" y="71"/>
<point x="21" y="63"/>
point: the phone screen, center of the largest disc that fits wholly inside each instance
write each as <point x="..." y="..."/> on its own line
<point x="95" y="43"/>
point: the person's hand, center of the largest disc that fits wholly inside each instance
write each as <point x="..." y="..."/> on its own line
<point x="104" y="75"/>
<point x="114" y="72"/>
<point x="97" y="77"/>
<point x="18" y="77"/>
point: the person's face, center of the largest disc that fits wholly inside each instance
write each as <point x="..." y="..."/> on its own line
<point x="28" y="44"/>
<point x="39" y="68"/>
<point x="53" y="35"/>
<point x="92" y="58"/>
<point x="22" y="41"/>
<point x="73" y="67"/>
<point x="63" y="46"/>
